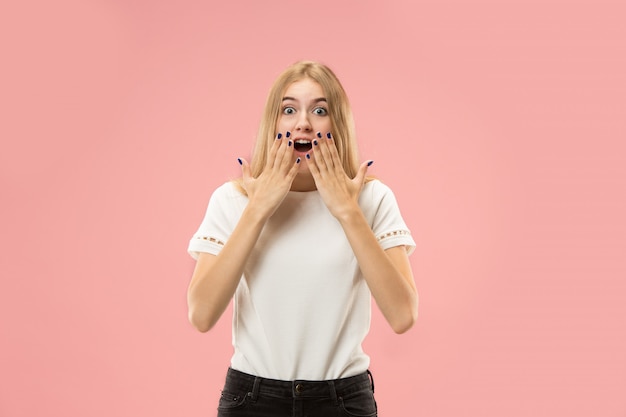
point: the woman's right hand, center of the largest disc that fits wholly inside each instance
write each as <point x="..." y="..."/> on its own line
<point x="268" y="190"/>
<point x="215" y="278"/>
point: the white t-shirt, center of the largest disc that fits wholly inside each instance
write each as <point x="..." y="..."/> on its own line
<point x="302" y="307"/>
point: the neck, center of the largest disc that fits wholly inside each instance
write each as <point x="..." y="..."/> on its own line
<point x="303" y="182"/>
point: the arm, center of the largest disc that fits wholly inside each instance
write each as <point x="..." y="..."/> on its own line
<point x="387" y="273"/>
<point x="216" y="277"/>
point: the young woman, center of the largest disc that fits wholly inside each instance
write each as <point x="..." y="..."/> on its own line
<point x="301" y="242"/>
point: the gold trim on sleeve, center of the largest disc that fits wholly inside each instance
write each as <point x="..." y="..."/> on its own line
<point x="211" y="239"/>
<point x="392" y="234"/>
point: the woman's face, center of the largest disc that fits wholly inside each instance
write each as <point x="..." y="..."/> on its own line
<point x="304" y="112"/>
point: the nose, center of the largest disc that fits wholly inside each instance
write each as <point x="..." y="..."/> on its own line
<point x="303" y="123"/>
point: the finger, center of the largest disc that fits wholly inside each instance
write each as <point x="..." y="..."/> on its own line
<point x="360" y="175"/>
<point x="313" y="167"/>
<point x="294" y="169"/>
<point x="245" y="168"/>
<point x="324" y="155"/>
<point x="284" y="154"/>
<point x="271" y="157"/>
<point x="321" y="157"/>
<point x="334" y="153"/>
<point x="245" y="173"/>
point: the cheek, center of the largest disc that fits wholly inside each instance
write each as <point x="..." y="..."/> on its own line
<point x="323" y="125"/>
<point x="281" y="125"/>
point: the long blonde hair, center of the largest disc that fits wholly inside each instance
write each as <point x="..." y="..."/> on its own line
<point x="342" y="123"/>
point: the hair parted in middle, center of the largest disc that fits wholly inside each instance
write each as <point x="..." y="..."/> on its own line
<point x="342" y="123"/>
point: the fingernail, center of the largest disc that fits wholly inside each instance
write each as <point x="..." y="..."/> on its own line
<point x="328" y="135"/>
<point x="288" y="143"/>
<point x="298" y="160"/>
<point x="240" y="161"/>
<point x="370" y="163"/>
<point x="280" y="135"/>
<point x="288" y="134"/>
<point x="308" y="156"/>
<point x="315" y="142"/>
<point x="319" y="135"/>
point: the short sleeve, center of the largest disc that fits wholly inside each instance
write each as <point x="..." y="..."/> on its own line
<point x="225" y="207"/>
<point x="387" y="223"/>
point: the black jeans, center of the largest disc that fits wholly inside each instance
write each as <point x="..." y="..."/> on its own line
<point x="250" y="396"/>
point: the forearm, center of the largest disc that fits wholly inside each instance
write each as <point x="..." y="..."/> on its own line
<point x="215" y="278"/>
<point x="390" y="280"/>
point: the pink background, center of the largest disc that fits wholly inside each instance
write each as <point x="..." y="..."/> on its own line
<point x="499" y="124"/>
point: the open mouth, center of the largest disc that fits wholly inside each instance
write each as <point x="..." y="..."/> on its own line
<point x="302" y="145"/>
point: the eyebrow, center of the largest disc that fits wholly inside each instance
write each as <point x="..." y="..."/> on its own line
<point x="317" y="100"/>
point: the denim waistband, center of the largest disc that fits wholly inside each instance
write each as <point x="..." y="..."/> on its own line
<point x="333" y="388"/>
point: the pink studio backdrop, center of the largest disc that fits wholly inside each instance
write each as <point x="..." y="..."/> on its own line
<point x="500" y="126"/>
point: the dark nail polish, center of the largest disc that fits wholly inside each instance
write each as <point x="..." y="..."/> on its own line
<point x="289" y="143"/>
<point x="328" y="135"/>
<point x="308" y="156"/>
<point x="240" y="161"/>
<point x="319" y="135"/>
<point x="280" y="135"/>
<point x="298" y="160"/>
<point x="288" y="134"/>
<point x="315" y="142"/>
<point x="370" y="163"/>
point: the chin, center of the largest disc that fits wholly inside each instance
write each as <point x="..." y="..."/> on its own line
<point x="304" y="171"/>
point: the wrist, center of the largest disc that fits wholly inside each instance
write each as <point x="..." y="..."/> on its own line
<point x="255" y="214"/>
<point x="349" y="214"/>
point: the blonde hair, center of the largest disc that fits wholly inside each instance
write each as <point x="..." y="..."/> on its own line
<point x="342" y="123"/>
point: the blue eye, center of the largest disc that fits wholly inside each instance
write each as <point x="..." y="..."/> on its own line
<point x="289" y="110"/>
<point x="320" y="111"/>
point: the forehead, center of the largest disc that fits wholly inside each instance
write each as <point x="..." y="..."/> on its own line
<point x="305" y="87"/>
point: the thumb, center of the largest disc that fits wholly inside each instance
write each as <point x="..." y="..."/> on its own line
<point x="245" y="168"/>
<point x="360" y="175"/>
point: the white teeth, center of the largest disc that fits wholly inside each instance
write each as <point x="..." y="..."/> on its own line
<point x="303" y="141"/>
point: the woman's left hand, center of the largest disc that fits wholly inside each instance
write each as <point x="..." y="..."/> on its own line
<point x="339" y="192"/>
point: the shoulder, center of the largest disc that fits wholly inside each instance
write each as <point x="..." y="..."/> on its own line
<point x="229" y="190"/>
<point x="377" y="186"/>
<point x="226" y="197"/>
<point x="376" y="190"/>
